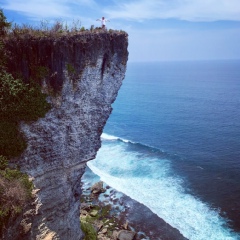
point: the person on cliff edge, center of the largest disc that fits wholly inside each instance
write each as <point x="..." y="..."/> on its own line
<point x="103" y="21"/>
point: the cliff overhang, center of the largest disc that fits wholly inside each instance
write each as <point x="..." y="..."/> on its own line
<point x="47" y="58"/>
<point x="81" y="74"/>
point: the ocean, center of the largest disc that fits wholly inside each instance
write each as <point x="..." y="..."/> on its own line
<point x="172" y="143"/>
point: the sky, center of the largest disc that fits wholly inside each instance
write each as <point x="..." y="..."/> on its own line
<point x="159" y="30"/>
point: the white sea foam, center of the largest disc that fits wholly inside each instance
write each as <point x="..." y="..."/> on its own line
<point x="108" y="137"/>
<point x="111" y="137"/>
<point x="150" y="181"/>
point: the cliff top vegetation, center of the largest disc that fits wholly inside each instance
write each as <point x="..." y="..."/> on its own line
<point x="55" y="30"/>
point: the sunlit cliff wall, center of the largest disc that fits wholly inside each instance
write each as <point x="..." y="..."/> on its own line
<point x="81" y="74"/>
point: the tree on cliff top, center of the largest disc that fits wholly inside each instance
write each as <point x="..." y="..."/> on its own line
<point x="4" y="24"/>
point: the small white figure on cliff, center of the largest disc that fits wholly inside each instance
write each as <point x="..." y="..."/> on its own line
<point x="103" y="21"/>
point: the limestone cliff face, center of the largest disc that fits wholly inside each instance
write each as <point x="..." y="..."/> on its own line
<point x="83" y="76"/>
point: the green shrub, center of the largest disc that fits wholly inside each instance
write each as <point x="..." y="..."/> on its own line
<point x="70" y="68"/>
<point x="82" y="29"/>
<point x="12" y="142"/>
<point x="18" y="102"/>
<point x="3" y="162"/>
<point x="15" y="174"/>
<point x="89" y="231"/>
<point x="39" y="72"/>
<point x="2" y="58"/>
<point x="15" y="192"/>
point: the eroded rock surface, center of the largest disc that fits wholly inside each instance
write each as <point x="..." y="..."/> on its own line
<point x="60" y="144"/>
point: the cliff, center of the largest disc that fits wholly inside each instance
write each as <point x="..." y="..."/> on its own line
<point x="82" y="74"/>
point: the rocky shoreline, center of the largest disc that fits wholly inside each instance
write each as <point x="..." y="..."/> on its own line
<point x="123" y="212"/>
<point x="103" y="211"/>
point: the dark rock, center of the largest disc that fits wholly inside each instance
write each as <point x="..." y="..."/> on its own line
<point x="98" y="224"/>
<point x="86" y="206"/>
<point x="125" y="226"/>
<point x="94" y="213"/>
<point x="125" y="235"/>
<point x="97" y="188"/>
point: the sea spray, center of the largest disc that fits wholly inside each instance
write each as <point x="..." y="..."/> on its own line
<point x="145" y="174"/>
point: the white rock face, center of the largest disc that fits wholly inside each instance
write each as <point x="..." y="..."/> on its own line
<point x="60" y="144"/>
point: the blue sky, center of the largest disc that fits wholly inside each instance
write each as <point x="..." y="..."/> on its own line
<point x="159" y="30"/>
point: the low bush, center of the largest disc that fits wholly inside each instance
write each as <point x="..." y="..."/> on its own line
<point x="89" y="231"/>
<point x="23" y="102"/>
<point x="18" y="102"/>
<point x="46" y="29"/>
<point x="12" y="142"/>
<point x="15" y="192"/>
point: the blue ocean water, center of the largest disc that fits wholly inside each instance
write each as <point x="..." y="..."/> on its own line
<point x="172" y="143"/>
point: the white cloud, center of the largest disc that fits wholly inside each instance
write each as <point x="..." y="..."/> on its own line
<point x="191" y="10"/>
<point x="135" y="10"/>
<point x="47" y="8"/>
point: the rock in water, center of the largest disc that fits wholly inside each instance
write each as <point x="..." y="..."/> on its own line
<point x="125" y="235"/>
<point x="97" y="188"/>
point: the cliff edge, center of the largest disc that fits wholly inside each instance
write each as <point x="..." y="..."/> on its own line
<point x="81" y="74"/>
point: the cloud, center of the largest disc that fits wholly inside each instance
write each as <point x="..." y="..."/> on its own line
<point x="47" y="8"/>
<point x="133" y="10"/>
<point x="190" y="10"/>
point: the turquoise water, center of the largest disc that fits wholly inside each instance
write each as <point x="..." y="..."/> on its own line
<point x="173" y="144"/>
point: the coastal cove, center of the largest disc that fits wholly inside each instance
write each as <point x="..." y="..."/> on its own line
<point x="172" y="144"/>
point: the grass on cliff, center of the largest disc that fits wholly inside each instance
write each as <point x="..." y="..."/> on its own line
<point x="57" y="29"/>
<point x="15" y="192"/>
<point x="89" y="231"/>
